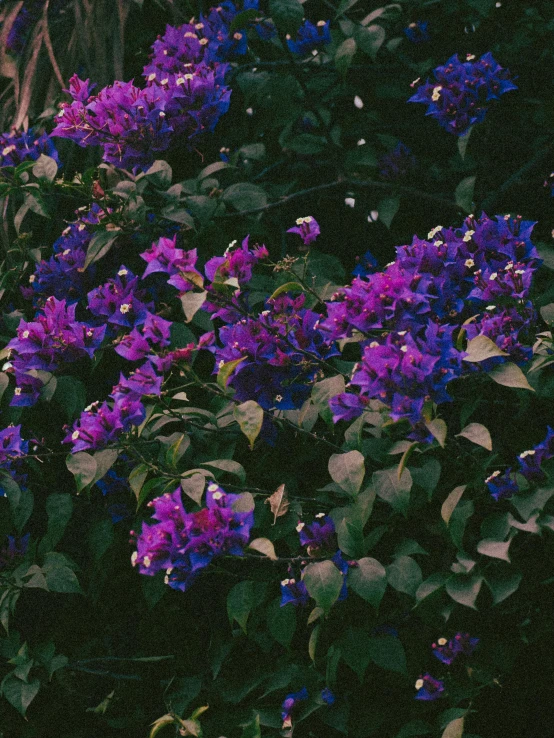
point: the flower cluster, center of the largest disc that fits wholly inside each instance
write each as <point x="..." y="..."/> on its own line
<point x="53" y="339"/>
<point x="183" y="543"/>
<point x="448" y="651"/>
<point x="12" y="446"/>
<point x="462" y="91"/>
<point x="310" y="38"/>
<point x="462" y="644"/>
<point x="408" y="317"/>
<point x="292" y="700"/>
<point x="184" y="94"/>
<point x="16" y="148"/>
<point x="503" y="485"/>
<point x="63" y="275"/>
<point x="307" y="228"/>
<point x="279" y="353"/>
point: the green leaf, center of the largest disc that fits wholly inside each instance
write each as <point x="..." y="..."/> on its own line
<point x="438" y="430"/>
<point x="502" y="584"/>
<point x="430" y="585"/>
<point x="391" y="489"/>
<point x="45" y="168"/>
<point x="477" y="433"/>
<point x="348" y="471"/>
<point x="482" y="348"/>
<point x="21" y="501"/>
<point x="100" y="244"/>
<point x="404" y="575"/>
<point x="59" y="575"/>
<point x="225" y="371"/>
<point x="414" y="727"/>
<point x="454" y="729"/>
<point x="463" y="142"/>
<point x="281" y="622"/>
<point x="370" y="38"/>
<point x="388" y="653"/>
<point x="387" y="209"/>
<point x="229" y="466"/>
<point x="344" y="55"/>
<point x="59" y="508"/>
<point x="345" y="6"/>
<point x="244" y="503"/>
<point x="323" y="391"/>
<point x="100" y="538"/>
<point x="4" y="383"/>
<point x="355" y="650"/>
<point x="83" y="467"/>
<point x="288" y="287"/>
<point x="464" y="588"/>
<point x="324" y="582"/>
<point x="458" y="521"/>
<point x="217" y="166"/>
<point x="287" y="15"/>
<point x="252" y="729"/>
<point x="264" y="546"/>
<point x="192" y="302"/>
<point x="245" y="196"/>
<point x="193" y="486"/>
<point x="527" y="503"/>
<point x="510" y="375"/>
<point x="494" y="549"/>
<point x="250" y="417"/>
<point x="18" y="693"/>
<point x="450" y="503"/>
<point x="240" y="602"/>
<point x="350" y="537"/>
<point x="160" y="174"/>
<point x="368" y="580"/>
<point x="70" y="395"/>
<point x="464" y="193"/>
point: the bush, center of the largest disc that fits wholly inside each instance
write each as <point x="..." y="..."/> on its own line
<point x="263" y="470"/>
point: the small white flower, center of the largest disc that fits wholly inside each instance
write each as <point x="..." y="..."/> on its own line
<point x="237" y="36"/>
<point x="490" y="307"/>
<point x="519" y="271"/>
<point x="433" y="232"/>
<point x="299" y="527"/>
<point x="134" y="557"/>
<point x="403" y="349"/>
<point x="199" y="26"/>
<point x="350" y="202"/>
<point x="442" y="641"/>
<point x="320" y="24"/>
<point x="17" y="391"/>
<point x="152" y="77"/>
<point x="203" y="41"/>
<point x="212" y="487"/>
<point x="358" y="102"/>
<point x="532" y="452"/>
<point x="278" y="398"/>
<point x="467" y="236"/>
<point x="81" y="227"/>
<point x="419" y="684"/>
<point x="492" y="476"/>
<point x="75" y="435"/>
<point x="25" y="334"/>
<point x="373" y="216"/>
<point x="436" y="93"/>
<point x="180" y="81"/>
<point x="402" y="333"/>
<point x="493" y="276"/>
<point x="469" y="263"/>
<point x="361" y="142"/>
<point x="249" y="111"/>
<point x="284" y="582"/>
<point x="65" y="252"/>
<point x="125" y="307"/>
<point x="147" y="561"/>
<point x="320" y="515"/>
<point x="470" y="57"/>
<point x="32" y="278"/>
<point x="217" y="495"/>
<point x="374" y="344"/>
<point x="220" y="364"/>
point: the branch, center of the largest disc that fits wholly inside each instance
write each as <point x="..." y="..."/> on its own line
<point x="366" y="183"/>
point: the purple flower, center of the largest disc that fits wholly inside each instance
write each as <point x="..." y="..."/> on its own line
<point x="290" y="705"/>
<point x="293" y="591"/>
<point x="501" y="485"/>
<point x="11" y="444"/>
<point x="310" y="37"/>
<point x="157" y="330"/>
<point x="318" y="536"/>
<point x="397" y="164"/>
<point x="428" y="688"/>
<point x="530" y="461"/>
<point x="327" y="696"/>
<point x="236" y="263"/>
<point x="307" y="228"/>
<point x="133" y="346"/>
<point x="183" y="543"/>
<point x="459" y="96"/>
<point x="448" y="651"/>
<point x="417" y="32"/>
<point x="16" y="148"/>
<point x="119" y="301"/>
